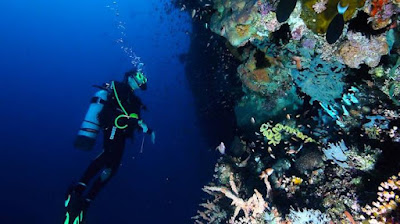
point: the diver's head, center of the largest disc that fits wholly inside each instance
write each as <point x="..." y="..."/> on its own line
<point x="136" y="79"/>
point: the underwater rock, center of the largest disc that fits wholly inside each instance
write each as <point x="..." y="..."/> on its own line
<point x="359" y="49"/>
<point x="253" y="105"/>
<point x="234" y="20"/>
<point x="309" y="161"/>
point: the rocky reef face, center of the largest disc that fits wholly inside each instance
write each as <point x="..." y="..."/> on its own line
<point x="209" y="68"/>
<point x="312" y="93"/>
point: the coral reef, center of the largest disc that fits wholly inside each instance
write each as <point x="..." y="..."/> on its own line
<point x="337" y="153"/>
<point x="359" y="49"/>
<point x="274" y="136"/>
<point x="386" y="208"/>
<point x="317" y="122"/>
<point x="320" y="74"/>
<point x="234" y="20"/>
<point x="308" y="216"/>
<point x="318" y="22"/>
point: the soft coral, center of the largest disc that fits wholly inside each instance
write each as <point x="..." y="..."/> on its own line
<point x="376" y="6"/>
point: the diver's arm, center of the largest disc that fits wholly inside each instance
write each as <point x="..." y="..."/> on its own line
<point x="147" y="130"/>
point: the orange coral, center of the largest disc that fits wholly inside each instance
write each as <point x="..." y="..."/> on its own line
<point x="377" y="12"/>
<point x="377" y="5"/>
<point x="297" y="60"/>
<point x="349" y="217"/>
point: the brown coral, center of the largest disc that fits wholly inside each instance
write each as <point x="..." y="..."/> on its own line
<point x="260" y="75"/>
<point x="242" y="30"/>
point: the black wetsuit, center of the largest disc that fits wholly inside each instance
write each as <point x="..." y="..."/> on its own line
<point x="114" y="138"/>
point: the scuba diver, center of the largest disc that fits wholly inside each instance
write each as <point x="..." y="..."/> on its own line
<point x="114" y="109"/>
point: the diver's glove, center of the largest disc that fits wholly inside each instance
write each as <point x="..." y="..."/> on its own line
<point x="143" y="126"/>
<point x="147" y="130"/>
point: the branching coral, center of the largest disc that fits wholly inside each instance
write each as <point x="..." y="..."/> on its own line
<point x="321" y="80"/>
<point x="337" y="153"/>
<point x="253" y="207"/>
<point x="391" y="85"/>
<point x="386" y="207"/>
<point x="274" y="136"/>
<point x="306" y="216"/>
<point x="320" y="6"/>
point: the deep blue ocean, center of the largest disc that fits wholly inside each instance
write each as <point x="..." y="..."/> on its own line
<point x="52" y="52"/>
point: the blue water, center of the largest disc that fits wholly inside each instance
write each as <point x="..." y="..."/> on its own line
<point x="51" y="54"/>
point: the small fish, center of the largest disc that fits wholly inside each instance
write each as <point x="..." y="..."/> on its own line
<point x="244" y="162"/>
<point x="221" y="148"/>
<point x="336" y="26"/>
<point x="193" y="13"/>
<point x="270" y="152"/>
<point x="269" y="171"/>
<point x="252" y="120"/>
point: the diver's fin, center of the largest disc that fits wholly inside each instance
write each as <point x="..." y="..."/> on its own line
<point x="76" y="207"/>
<point x="76" y="211"/>
<point x="284" y="9"/>
<point x="335" y="29"/>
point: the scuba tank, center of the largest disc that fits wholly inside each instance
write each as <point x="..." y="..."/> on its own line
<point x="90" y="127"/>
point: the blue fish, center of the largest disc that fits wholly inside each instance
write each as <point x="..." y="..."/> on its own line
<point x="336" y="26"/>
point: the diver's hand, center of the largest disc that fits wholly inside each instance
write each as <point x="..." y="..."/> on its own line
<point x="143" y="126"/>
<point x="153" y="137"/>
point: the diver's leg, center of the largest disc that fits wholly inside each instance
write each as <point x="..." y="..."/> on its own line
<point x="99" y="163"/>
<point x="93" y="169"/>
<point x="112" y="165"/>
<point x="75" y="204"/>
